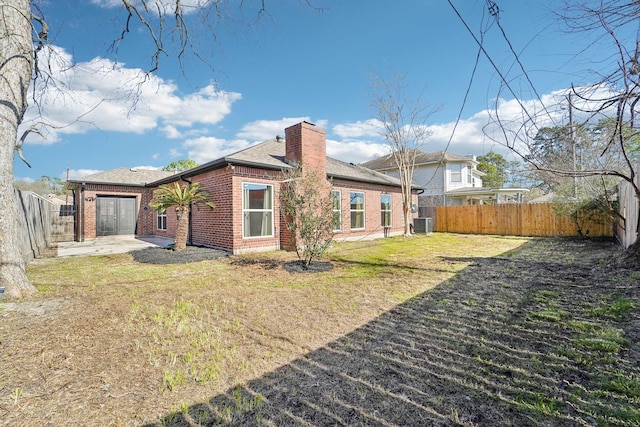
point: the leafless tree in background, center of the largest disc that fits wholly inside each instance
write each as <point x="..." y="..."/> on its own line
<point x="404" y="118"/>
<point x="599" y="144"/>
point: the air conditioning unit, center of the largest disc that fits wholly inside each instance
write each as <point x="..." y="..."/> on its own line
<point x="422" y="225"/>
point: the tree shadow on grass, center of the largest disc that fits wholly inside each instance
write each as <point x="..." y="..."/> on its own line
<point x="469" y="352"/>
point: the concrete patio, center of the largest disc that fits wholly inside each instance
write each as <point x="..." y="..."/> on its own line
<point x="110" y="245"/>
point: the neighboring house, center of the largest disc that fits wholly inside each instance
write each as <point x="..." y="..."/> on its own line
<point x="245" y="187"/>
<point x="448" y="179"/>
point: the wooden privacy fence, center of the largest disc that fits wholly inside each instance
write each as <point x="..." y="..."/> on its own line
<point x="627" y="229"/>
<point x="35" y="217"/>
<point x="43" y="223"/>
<point x="536" y="219"/>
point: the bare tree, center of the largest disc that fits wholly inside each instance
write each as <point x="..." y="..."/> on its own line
<point x="404" y="118"/>
<point x="597" y="143"/>
<point x="16" y="65"/>
<point x="23" y="34"/>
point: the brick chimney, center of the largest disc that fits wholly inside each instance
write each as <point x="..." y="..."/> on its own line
<point x="307" y="143"/>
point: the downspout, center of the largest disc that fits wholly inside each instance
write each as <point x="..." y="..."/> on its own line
<point x="81" y="212"/>
<point x="418" y="193"/>
<point x="190" y="230"/>
<point x="444" y="182"/>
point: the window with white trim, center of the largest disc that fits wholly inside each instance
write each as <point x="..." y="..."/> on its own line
<point x="357" y="210"/>
<point x="337" y="210"/>
<point x="257" y="210"/>
<point x="385" y="210"/>
<point x="161" y="221"/>
<point x="456" y="172"/>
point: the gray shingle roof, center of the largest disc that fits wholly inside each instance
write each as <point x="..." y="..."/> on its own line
<point x="269" y="154"/>
<point x="272" y="154"/>
<point x="125" y="176"/>
<point x="388" y="163"/>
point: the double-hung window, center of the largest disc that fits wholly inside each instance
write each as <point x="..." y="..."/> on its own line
<point x="257" y="210"/>
<point x="456" y="172"/>
<point x="161" y="221"/>
<point x="357" y="210"/>
<point x="337" y="210"/>
<point x="385" y="210"/>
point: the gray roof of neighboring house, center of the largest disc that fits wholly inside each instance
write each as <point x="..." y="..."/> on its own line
<point x="546" y="198"/>
<point x="388" y="163"/>
<point x="125" y="176"/>
<point x="269" y="154"/>
<point x="470" y="191"/>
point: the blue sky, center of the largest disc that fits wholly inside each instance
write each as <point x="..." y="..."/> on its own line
<point x="294" y="63"/>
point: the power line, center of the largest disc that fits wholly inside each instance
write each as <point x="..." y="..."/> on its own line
<point x="493" y="64"/>
<point x="494" y="11"/>
<point x="464" y="103"/>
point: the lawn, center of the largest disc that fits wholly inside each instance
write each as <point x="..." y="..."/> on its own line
<point x="441" y="329"/>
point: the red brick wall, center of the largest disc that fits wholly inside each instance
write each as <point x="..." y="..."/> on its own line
<point x="214" y="227"/>
<point x="372" y="213"/>
<point x="243" y="175"/>
<point x="86" y="209"/>
<point x="172" y="224"/>
<point x="222" y="226"/>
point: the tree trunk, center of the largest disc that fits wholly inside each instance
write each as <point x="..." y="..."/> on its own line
<point x="406" y="179"/>
<point x="16" y="63"/>
<point x="182" y="230"/>
<point x="406" y="211"/>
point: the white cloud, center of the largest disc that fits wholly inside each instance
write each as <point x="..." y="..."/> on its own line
<point x="171" y="132"/>
<point x="76" y="174"/>
<point x="361" y="140"/>
<point x="359" y="129"/>
<point x="204" y="149"/>
<point x="477" y="134"/>
<point x="101" y="94"/>
<point x="167" y="6"/>
<point x="205" y="106"/>
<point x="262" y="130"/>
<point x="175" y="153"/>
<point x="150" y="168"/>
<point x="355" y="151"/>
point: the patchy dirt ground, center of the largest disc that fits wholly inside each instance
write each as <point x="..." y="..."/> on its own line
<point x="546" y="334"/>
<point x="168" y="256"/>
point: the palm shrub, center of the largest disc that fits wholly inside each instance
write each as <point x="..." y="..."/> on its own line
<point x="182" y="197"/>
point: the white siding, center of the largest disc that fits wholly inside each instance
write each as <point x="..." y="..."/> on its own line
<point x="436" y="181"/>
<point x="455" y="185"/>
<point x="431" y="178"/>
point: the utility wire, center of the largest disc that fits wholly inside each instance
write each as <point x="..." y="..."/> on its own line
<point x="464" y="102"/>
<point x="493" y="64"/>
<point x="494" y="11"/>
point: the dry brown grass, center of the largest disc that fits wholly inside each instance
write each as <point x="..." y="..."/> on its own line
<point x="424" y="331"/>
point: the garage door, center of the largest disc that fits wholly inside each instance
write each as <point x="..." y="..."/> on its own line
<point x="115" y="216"/>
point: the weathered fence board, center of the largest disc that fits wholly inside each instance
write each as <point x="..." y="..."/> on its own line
<point x="627" y="227"/>
<point x="43" y="223"/>
<point x="62" y="222"/>
<point x="516" y="220"/>
<point x="35" y="218"/>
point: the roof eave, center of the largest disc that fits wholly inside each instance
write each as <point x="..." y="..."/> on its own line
<point x="128" y="184"/>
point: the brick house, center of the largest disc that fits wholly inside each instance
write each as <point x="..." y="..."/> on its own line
<point x="245" y="188"/>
